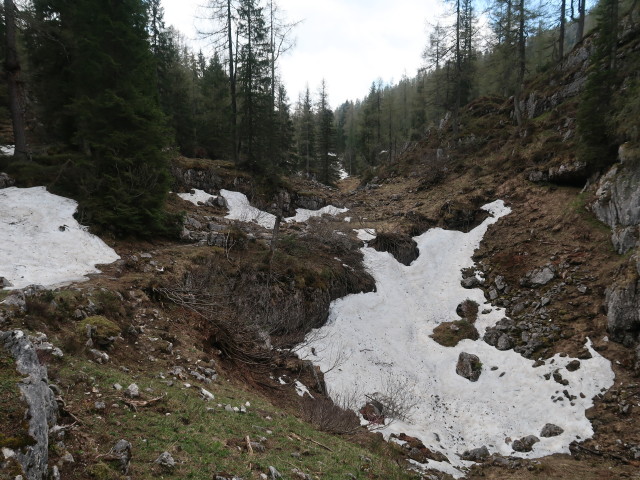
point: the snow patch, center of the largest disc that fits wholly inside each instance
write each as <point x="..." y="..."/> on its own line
<point x="302" y="214"/>
<point x="301" y="389"/>
<point x="41" y="243"/>
<point x="196" y="197"/>
<point x="240" y="209"/>
<point x="385" y="334"/>
<point x="7" y="150"/>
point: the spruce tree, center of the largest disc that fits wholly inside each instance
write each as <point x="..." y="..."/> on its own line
<point x="98" y="90"/>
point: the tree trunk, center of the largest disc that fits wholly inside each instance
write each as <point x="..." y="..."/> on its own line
<point x="12" y="67"/>
<point x="563" y="13"/>
<point x="521" y="64"/>
<point x="232" y="88"/>
<point x="581" y="15"/>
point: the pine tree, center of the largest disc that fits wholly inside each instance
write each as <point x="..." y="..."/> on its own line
<point x="254" y="81"/>
<point x="326" y="136"/>
<point x="14" y="82"/>
<point x="597" y="147"/>
<point x="96" y="56"/>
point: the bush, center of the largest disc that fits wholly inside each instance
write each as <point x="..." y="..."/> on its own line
<point x="326" y="416"/>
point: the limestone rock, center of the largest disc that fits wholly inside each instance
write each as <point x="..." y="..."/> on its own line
<point x="132" y="391"/>
<point x="469" y="366"/>
<point x="538" y="277"/>
<point x="122" y="455"/>
<point x="470" y="282"/>
<point x="274" y="474"/>
<point x="618" y="204"/>
<point x="476" y="455"/>
<point x="551" y="430"/>
<point x="6" y="181"/>
<point x="504" y="342"/>
<point x="166" y="461"/>
<point x="525" y="444"/>
<point x="623" y="310"/>
<point x="41" y="402"/>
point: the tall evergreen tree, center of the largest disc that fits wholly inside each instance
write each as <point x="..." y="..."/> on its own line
<point x="254" y="82"/>
<point x="597" y="145"/>
<point x="96" y="56"/>
<point x="326" y="136"/>
<point x="14" y="81"/>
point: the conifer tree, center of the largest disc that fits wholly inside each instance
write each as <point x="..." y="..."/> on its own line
<point x="95" y="56"/>
<point x="14" y="82"/>
<point x="326" y="135"/>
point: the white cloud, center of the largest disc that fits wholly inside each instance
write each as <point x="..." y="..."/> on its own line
<point x="349" y="43"/>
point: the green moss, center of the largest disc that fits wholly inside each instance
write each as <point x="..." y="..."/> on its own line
<point x="102" y="471"/>
<point x="104" y="328"/>
<point x="18" y="442"/>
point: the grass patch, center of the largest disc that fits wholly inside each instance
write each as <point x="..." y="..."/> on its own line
<point x="449" y="334"/>
<point x="204" y="438"/>
<point x="579" y="206"/>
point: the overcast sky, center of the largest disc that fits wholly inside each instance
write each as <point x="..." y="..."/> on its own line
<point x="349" y="43"/>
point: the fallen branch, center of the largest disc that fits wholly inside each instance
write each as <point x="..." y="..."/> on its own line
<point x="63" y="406"/>
<point x="602" y="454"/>
<point x="134" y="404"/>
<point x="299" y="438"/>
<point x="249" y="448"/>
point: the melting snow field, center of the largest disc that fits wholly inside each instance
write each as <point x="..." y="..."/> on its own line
<point x="240" y="209"/>
<point x="375" y="339"/>
<point x="302" y="214"/>
<point x="196" y="197"/>
<point x="40" y="241"/>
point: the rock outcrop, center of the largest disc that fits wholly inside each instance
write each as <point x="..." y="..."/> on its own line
<point x="618" y="204"/>
<point x="42" y="406"/>
<point x="623" y="307"/>
<point x="6" y="181"/>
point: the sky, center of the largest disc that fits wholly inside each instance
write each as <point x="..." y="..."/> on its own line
<point x="348" y="43"/>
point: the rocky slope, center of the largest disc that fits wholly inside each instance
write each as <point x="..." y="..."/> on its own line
<point x="179" y="360"/>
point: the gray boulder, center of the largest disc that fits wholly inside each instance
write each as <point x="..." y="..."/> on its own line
<point x="538" y="277"/>
<point x="6" y="181"/>
<point x="121" y="454"/>
<point x="525" y="444"/>
<point x="469" y="366"/>
<point x="166" y="461"/>
<point x="41" y="402"/>
<point x="476" y="455"/>
<point x="551" y="430"/>
<point x="504" y="342"/>
<point x="470" y="282"/>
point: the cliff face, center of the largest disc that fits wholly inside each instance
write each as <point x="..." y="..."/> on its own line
<point x="42" y="406"/>
<point x="617" y="203"/>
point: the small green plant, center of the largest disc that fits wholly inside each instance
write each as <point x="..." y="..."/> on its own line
<point x="101" y="330"/>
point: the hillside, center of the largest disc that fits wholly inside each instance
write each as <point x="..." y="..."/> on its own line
<point x="185" y="357"/>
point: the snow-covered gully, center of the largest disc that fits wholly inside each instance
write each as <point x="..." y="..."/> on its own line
<point x="374" y="341"/>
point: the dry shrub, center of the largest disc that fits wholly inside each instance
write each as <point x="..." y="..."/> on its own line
<point x="326" y="416"/>
<point x="449" y="334"/>
<point x="468" y="310"/>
